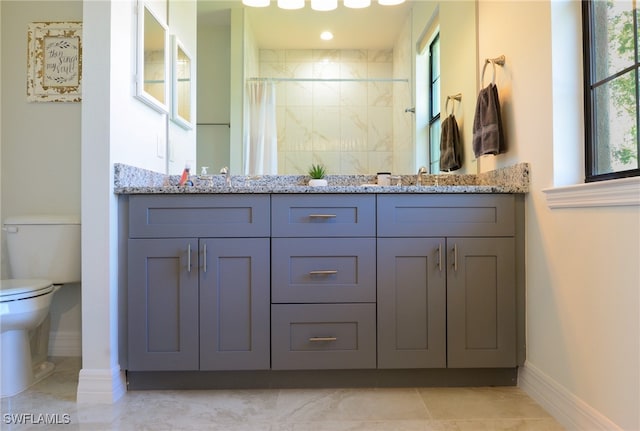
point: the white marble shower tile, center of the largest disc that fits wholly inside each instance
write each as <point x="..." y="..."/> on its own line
<point x="298" y="93"/>
<point x="353" y="93"/>
<point x="326" y="94"/>
<point x="380" y="55"/>
<point x="354" y="55"/>
<point x="380" y="129"/>
<point x="326" y="129"/>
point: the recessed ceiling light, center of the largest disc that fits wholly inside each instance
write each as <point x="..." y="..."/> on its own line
<point x="326" y="35"/>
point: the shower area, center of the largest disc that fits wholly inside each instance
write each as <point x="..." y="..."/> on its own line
<point x="343" y="108"/>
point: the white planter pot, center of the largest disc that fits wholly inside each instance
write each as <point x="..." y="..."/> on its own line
<point x="317" y="183"/>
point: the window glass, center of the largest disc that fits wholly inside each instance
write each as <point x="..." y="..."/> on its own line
<point x="610" y="32"/>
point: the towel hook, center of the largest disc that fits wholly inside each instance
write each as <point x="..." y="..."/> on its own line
<point x="499" y="61"/>
<point x="457" y="97"/>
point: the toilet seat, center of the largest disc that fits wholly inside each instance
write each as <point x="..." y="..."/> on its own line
<point x="17" y="289"/>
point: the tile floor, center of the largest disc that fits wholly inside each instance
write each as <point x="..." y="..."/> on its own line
<point x="375" y="409"/>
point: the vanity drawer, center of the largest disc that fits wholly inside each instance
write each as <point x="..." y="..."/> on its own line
<point x="199" y="216"/>
<point x="323" y="270"/>
<point x="323" y="336"/>
<point x="323" y="215"/>
<point x="446" y="215"/>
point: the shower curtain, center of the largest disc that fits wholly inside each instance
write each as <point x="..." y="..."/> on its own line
<point x="260" y="135"/>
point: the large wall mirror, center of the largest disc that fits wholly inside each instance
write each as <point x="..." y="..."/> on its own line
<point x="152" y="84"/>
<point x="360" y="125"/>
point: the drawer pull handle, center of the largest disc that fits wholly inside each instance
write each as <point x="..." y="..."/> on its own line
<point x="324" y="272"/>
<point x="321" y="339"/>
<point x="322" y="216"/>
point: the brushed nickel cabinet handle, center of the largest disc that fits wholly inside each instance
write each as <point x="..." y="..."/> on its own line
<point x="322" y="216"/>
<point x="204" y="253"/>
<point x="455" y="257"/>
<point x="324" y="272"/>
<point x="319" y="339"/>
<point x="440" y="257"/>
<point x="189" y="257"/>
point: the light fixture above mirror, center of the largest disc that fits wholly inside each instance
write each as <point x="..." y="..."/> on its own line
<point x="320" y="5"/>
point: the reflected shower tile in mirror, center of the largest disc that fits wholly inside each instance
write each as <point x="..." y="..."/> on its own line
<point x="326" y="94"/>
<point x="297" y="131"/>
<point x="271" y="56"/>
<point x="380" y="129"/>
<point x="297" y="93"/>
<point x="353" y="93"/>
<point x="380" y="55"/>
<point x="380" y="161"/>
<point x="354" y="163"/>
<point x="352" y="70"/>
<point x="326" y="132"/>
<point x="353" y="128"/>
<point x="354" y="55"/>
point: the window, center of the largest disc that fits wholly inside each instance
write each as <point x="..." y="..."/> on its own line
<point x="611" y="66"/>
<point x="434" y="105"/>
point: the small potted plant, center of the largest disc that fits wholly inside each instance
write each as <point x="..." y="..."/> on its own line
<point x="317" y="173"/>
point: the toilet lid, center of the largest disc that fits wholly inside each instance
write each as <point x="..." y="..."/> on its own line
<point x="12" y="290"/>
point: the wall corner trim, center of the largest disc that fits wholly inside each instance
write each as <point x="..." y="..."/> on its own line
<point x="620" y="192"/>
<point x="101" y="386"/>
<point x="572" y="412"/>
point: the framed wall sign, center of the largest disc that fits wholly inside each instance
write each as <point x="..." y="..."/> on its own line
<point x="54" y="62"/>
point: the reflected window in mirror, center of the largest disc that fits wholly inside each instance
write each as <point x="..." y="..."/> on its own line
<point x="434" y="105"/>
<point x="152" y="61"/>
<point x="182" y="85"/>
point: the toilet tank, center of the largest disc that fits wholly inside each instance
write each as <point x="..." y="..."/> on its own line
<point x="44" y="247"/>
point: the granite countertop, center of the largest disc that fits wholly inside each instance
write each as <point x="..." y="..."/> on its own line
<point x="132" y="180"/>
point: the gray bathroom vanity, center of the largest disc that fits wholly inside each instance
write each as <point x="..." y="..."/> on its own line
<point x="362" y="287"/>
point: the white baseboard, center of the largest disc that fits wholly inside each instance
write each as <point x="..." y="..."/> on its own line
<point x="101" y="386"/>
<point x="565" y="407"/>
<point x="65" y="343"/>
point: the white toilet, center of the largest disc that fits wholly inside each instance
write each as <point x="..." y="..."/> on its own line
<point x="44" y="252"/>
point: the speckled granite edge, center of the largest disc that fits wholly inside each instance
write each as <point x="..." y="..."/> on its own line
<point x="132" y="180"/>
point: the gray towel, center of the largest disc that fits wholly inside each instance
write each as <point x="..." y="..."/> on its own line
<point x="487" y="124"/>
<point x="450" y="147"/>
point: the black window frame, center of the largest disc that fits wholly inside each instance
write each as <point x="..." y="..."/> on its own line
<point x="589" y="96"/>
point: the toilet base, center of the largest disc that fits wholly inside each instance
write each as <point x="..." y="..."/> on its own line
<point x="18" y="371"/>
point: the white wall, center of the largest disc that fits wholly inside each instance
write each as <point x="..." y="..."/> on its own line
<point x="583" y="332"/>
<point x="40" y="152"/>
<point x="116" y="127"/>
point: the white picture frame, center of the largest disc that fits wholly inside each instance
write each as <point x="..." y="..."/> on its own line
<point x="182" y="85"/>
<point x="152" y="60"/>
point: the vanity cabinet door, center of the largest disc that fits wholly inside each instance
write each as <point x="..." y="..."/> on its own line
<point x="481" y="303"/>
<point x="411" y="303"/>
<point x="234" y="304"/>
<point x="163" y="304"/>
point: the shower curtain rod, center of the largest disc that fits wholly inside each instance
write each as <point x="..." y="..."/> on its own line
<point x="331" y="79"/>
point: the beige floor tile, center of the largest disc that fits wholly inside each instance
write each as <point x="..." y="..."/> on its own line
<point x="368" y="409"/>
<point x="330" y="405"/>
<point x="480" y="403"/>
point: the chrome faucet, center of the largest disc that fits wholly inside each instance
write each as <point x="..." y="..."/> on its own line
<point x="227" y="175"/>
<point x="421" y="172"/>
